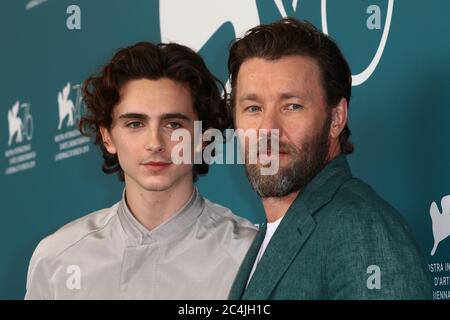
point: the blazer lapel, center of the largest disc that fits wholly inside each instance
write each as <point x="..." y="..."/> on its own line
<point x="281" y="251"/>
<point x="294" y="230"/>
<point x="240" y="281"/>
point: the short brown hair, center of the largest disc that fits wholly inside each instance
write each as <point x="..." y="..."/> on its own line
<point x="145" y="60"/>
<point x="290" y="36"/>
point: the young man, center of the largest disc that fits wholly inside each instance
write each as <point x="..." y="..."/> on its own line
<point x="163" y="240"/>
<point x="328" y="235"/>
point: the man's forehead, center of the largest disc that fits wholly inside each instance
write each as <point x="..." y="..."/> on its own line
<point x="152" y="110"/>
<point x="290" y="64"/>
<point x="156" y="84"/>
<point x="154" y="101"/>
<point x="294" y="76"/>
<point x="162" y="92"/>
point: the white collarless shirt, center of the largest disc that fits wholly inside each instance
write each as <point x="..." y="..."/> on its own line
<point x="270" y="230"/>
<point x="108" y="254"/>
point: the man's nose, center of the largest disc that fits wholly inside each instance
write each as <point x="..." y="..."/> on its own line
<point x="155" y="142"/>
<point x="270" y="121"/>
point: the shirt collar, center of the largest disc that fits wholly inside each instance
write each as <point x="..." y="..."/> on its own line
<point x="177" y="223"/>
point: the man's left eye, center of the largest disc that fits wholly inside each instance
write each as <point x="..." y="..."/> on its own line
<point x="294" y="107"/>
<point x="173" y="125"/>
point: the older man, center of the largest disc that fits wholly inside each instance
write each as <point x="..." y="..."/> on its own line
<point x="328" y="235"/>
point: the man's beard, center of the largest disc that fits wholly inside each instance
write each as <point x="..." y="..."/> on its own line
<point x="307" y="163"/>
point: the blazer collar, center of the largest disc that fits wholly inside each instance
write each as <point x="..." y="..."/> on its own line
<point x="293" y="231"/>
<point x="240" y="282"/>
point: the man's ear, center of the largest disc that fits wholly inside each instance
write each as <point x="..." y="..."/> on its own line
<point x="107" y="141"/>
<point x="339" y="116"/>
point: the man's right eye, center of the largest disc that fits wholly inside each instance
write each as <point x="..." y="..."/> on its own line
<point x="253" y="109"/>
<point x="134" y="124"/>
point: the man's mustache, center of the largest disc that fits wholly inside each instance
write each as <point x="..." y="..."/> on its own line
<point x="283" y="147"/>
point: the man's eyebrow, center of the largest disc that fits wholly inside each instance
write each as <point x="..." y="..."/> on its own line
<point x="174" y="115"/>
<point x="164" y="116"/>
<point x="289" y="95"/>
<point x="250" y="96"/>
<point x="133" y="115"/>
<point x="281" y="96"/>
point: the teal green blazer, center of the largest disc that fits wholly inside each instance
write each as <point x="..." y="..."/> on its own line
<point x="338" y="240"/>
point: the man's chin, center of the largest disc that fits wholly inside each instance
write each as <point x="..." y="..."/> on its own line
<point x="157" y="184"/>
<point x="156" y="188"/>
<point x="279" y="184"/>
<point x="281" y="158"/>
<point x="283" y="165"/>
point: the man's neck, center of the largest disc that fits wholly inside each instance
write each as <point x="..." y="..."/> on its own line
<point x="152" y="208"/>
<point x="276" y="207"/>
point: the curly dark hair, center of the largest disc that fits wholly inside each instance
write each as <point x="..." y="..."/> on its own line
<point x="146" y="60"/>
<point x="290" y="36"/>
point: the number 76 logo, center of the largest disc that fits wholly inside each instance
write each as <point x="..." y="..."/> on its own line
<point x="20" y="127"/>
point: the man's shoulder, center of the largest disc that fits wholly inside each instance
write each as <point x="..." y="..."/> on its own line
<point x="357" y="212"/>
<point x="73" y="232"/>
<point x="222" y="220"/>
<point x="359" y="230"/>
<point x="359" y="200"/>
<point x="233" y="233"/>
<point x="222" y="214"/>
